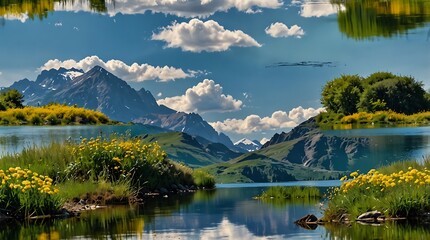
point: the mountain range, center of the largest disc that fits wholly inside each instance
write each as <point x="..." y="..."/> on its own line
<point x="304" y="153"/>
<point x="100" y="90"/>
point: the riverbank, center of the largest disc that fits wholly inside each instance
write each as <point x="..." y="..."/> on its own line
<point x="398" y="191"/>
<point x="99" y="171"/>
<point x="52" y="114"/>
<point x="330" y="120"/>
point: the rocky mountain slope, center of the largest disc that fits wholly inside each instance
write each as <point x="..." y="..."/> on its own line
<point x="100" y="90"/>
<point x="305" y="152"/>
<point x="192" y="151"/>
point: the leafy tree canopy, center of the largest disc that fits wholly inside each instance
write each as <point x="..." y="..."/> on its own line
<point x="11" y="98"/>
<point x="380" y="91"/>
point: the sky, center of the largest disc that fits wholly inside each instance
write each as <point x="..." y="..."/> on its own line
<point x="250" y="68"/>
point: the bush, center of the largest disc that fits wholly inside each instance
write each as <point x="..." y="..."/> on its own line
<point x="26" y="193"/>
<point x="395" y="192"/>
<point x="203" y="179"/>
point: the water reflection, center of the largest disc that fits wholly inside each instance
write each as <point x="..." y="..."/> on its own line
<point x="357" y="19"/>
<point x="364" y="19"/>
<point x="32" y="9"/>
<point x="389" y="230"/>
<point x="228" y="213"/>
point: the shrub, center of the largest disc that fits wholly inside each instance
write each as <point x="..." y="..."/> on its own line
<point x="26" y="193"/>
<point x="404" y="193"/>
<point x="203" y="179"/>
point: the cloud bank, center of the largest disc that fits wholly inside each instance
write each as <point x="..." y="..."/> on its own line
<point x="278" y="30"/>
<point x="198" y="36"/>
<point x="133" y="73"/>
<point x="255" y="123"/>
<point x="206" y="96"/>
<point x="180" y="8"/>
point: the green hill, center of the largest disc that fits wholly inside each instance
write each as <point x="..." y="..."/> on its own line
<point x="194" y="152"/>
<point x="304" y="153"/>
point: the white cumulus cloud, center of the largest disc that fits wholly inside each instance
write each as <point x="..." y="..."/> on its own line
<point x="134" y="72"/>
<point x="198" y="36"/>
<point x="206" y="96"/>
<point x="278" y="30"/>
<point x="255" y="123"/>
<point x="180" y="8"/>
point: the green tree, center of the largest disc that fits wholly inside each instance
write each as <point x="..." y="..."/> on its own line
<point x="399" y="94"/>
<point x="341" y="95"/>
<point x="11" y="99"/>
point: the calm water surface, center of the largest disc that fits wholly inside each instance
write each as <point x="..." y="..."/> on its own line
<point x="229" y="212"/>
<point x="385" y="144"/>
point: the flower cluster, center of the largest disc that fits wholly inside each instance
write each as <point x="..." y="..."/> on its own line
<point x="114" y="157"/>
<point x="25" y="180"/>
<point x="379" y="181"/>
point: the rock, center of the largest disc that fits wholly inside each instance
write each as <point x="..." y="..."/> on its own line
<point x="163" y="191"/>
<point x="371" y="217"/>
<point x="310" y="218"/>
<point x="345" y="218"/>
<point x="309" y="221"/>
<point x="181" y="187"/>
<point x="372" y="214"/>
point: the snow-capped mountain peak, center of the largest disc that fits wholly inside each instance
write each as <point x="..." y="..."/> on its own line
<point x="248" y="145"/>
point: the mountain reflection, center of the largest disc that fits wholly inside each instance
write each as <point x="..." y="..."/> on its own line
<point x="363" y="19"/>
<point x="357" y="19"/>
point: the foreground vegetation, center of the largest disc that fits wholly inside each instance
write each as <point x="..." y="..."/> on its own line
<point x="398" y="190"/>
<point x="99" y="171"/>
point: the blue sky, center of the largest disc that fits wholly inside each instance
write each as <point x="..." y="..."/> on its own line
<point x="218" y="58"/>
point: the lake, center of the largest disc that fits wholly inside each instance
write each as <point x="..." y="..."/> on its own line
<point x="385" y="144"/>
<point x="229" y="212"/>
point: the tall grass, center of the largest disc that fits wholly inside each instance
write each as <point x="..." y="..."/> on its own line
<point x="399" y="190"/>
<point x="101" y="170"/>
<point x="293" y="192"/>
<point x="203" y="179"/>
<point x="377" y="118"/>
<point x="48" y="160"/>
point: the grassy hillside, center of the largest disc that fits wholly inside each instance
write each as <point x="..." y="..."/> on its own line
<point x="267" y="165"/>
<point x="184" y="148"/>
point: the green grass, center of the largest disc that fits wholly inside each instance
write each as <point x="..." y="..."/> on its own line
<point x="114" y="169"/>
<point x="398" y="190"/>
<point x="48" y="160"/>
<point x="203" y="179"/>
<point x="329" y="120"/>
<point x="283" y="192"/>
<point x="182" y="147"/>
